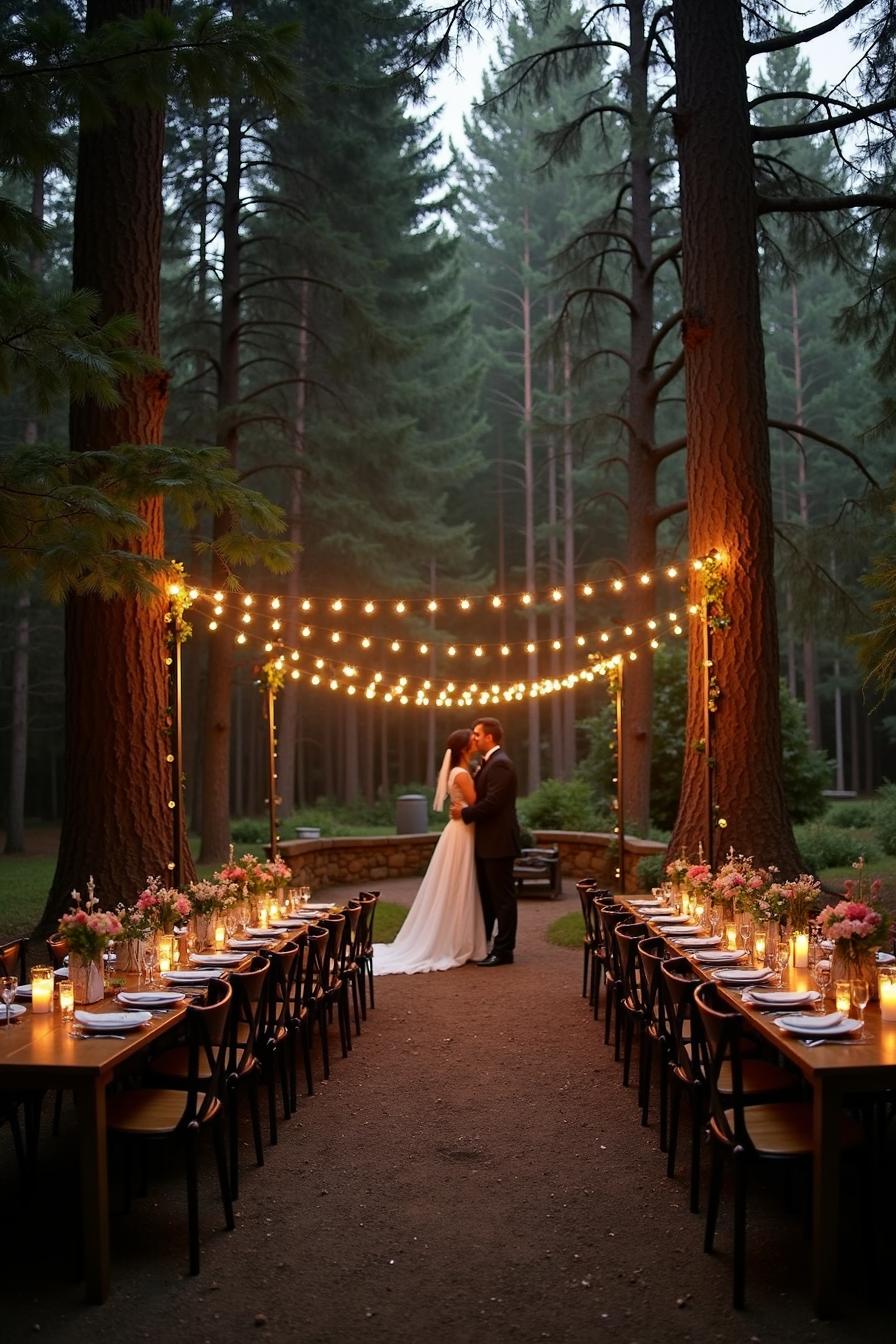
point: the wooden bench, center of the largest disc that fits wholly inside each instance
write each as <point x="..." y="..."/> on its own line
<point x="537" y="873"/>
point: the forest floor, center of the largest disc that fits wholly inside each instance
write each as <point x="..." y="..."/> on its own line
<point x="473" y="1172"/>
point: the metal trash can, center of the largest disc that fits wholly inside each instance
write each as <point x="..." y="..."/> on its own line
<point x="307" y="832"/>
<point x="411" y="815"/>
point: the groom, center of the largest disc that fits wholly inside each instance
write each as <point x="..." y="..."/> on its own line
<point x="497" y="838"/>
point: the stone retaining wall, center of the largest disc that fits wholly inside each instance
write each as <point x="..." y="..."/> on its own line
<point x="356" y="860"/>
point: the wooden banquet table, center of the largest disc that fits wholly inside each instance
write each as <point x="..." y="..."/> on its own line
<point x="37" y="1052"/>
<point x="834" y="1073"/>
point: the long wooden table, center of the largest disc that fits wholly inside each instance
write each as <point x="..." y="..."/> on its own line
<point x="37" y="1052"/>
<point x="834" y="1073"/>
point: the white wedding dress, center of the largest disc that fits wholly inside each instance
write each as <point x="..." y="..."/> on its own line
<point x="445" y="926"/>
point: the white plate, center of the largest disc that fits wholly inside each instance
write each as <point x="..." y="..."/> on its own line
<point x="781" y="998"/>
<point x="61" y="973"/>
<point x="15" y="1010"/>
<point x="720" y="958"/>
<point x="731" y="976"/>
<point x="216" y="958"/>
<point x="674" y="930"/>
<point x="250" y="944"/>
<point x="292" y="922"/>
<point x="680" y="921"/>
<point x="196" y="977"/>
<point x="319" y="906"/>
<point x="848" y="1027"/>
<point x="149" y="998"/>
<point x="708" y="941"/>
<point x="23" y="991"/>
<point x="259" y="933"/>
<point x="111" y="1021"/>
<point x="884" y="958"/>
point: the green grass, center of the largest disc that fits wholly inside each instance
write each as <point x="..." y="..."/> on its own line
<point x="25" y="881"/>
<point x="568" y="930"/>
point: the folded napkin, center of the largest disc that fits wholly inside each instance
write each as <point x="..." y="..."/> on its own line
<point x="813" y="1020"/>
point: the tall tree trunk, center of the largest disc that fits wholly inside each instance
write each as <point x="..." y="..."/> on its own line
<point x="116" y="823"/>
<point x="18" y="690"/>
<point x="728" y="462"/>
<point x="349" y="720"/>
<point x="640" y="600"/>
<point x="217" y="719"/>
<point x="558" y="769"/>
<point x="289" y="699"/>
<point x="854" y="771"/>
<point x="534" y="716"/>
<point x="569" y="564"/>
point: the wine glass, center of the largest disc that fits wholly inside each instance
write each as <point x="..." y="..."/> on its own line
<point x="782" y="958"/>
<point x="715" y="919"/>
<point x="148" y="958"/>
<point x="859" y="993"/>
<point x="8" y="986"/>
<point x="821" y="973"/>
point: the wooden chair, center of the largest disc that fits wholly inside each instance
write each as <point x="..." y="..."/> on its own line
<point x="351" y="966"/>
<point x="14" y="959"/>
<point x="183" y="1112"/>
<point x="744" y="1127"/>
<point x="610" y="917"/>
<point x="600" y="899"/>
<point x="585" y="887"/>
<point x="368" y="902"/>
<point x="652" y="952"/>
<point x="275" y="1029"/>
<point x="242" y="1065"/>
<point x="631" y="996"/>
<point x="335" y="990"/>
<point x="311" y="1002"/>
<point x="57" y="951"/>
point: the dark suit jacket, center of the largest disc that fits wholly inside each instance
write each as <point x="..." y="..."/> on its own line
<point x="494" y="812"/>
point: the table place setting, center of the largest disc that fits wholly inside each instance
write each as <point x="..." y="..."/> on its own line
<point x="10" y="1011"/>
<point x="831" y="1026"/>
<point x="706" y="940"/>
<point x="782" y="998"/>
<point x="721" y="957"/>
<point x="735" y="977"/>
<point x="149" y="998"/>
<point x="256" y="944"/>
<point x="290" y="922"/>
<point x="107" y="1024"/>
<point x="216" y="958"/>
<point x="194" y="977"/>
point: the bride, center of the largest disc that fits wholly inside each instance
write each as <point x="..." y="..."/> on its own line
<point x="445" y="927"/>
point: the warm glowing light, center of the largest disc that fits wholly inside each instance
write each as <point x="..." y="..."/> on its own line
<point x="369" y="608"/>
<point x="336" y="604"/>
<point x="336" y="637"/>
<point x="213" y="625"/>
<point x="432" y="605"/>
<point x="697" y="564"/>
<point x="496" y="602"/>
<point x="315" y="680"/>
<point x="400" y="608"/>
<point x="671" y="572"/>
<point x="530" y="648"/>
<point x="295" y="655"/>
<point x="580" y="640"/>
<point x="464" y="604"/>
<point x="451" y="650"/>
<point x="219" y="610"/>
<point x="318" y="663"/>
<point x="477" y="652"/>
<point x="628" y="631"/>
<point x="295" y="674"/>
<point x="587" y="590"/>
<point x="526" y="599"/>
<point x="395" y="646"/>
<point x="693" y="609"/>
<point x="217" y="597"/>
<point x="246" y="618"/>
<point x="505" y="650"/>
<point x="618" y="585"/>
<point x="604" y="638"/>
<point x="306" y="631"/>
<point x="651" y="625"/>
<point x="365" y="643"/>
<point x="248" y="600"/>
<point x="556" y="595"/>
<point x="306" y="604"/>
<point x="269" y="648"/>
<point x="275" y="625"/>
<point x="173" y="589"/>
<point x="557" y="644"/>
<point x="275" y="604"/>
<point x="644" y="579"/>
<point x="241" y="638"/>
<point x="424" y="648"/>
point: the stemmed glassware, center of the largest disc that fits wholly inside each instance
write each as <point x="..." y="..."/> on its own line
<point x="8" y="986"/>
<point x="821" y="973"/>
<point x="715" y="919"/>
<point x="148" y="959"/>
<point x="782" y="958"/>
<point x="860" y="992"/>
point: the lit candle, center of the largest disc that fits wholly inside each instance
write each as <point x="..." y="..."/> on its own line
<point x="842" y="997"/>
<point x="801" y="951"/>
<point x="262" y="918"/>
<point x="731" y="937"/>
<point x="886" y="985"/>
<point x="685" y="903"/>
<point x="220" y="936"/>
<point x="66" y="997"/>
<point x="699" y="911"/>
<point x="41" y="992"/>
<point x="759" y="949"/>
<point x="164" y="964"/>
<point x="275" y="910"/>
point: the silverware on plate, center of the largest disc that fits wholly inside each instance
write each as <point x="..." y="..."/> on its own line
<point x="96" y="1036"/>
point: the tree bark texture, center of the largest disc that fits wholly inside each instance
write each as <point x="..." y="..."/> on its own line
<point x="219" y="682"/>
<point x="728" y="462"/>
<point x="116" y="819"/>
<point x="641" y="550"/>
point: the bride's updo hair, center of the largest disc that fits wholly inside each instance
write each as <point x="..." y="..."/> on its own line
<point x="458" y="743"/>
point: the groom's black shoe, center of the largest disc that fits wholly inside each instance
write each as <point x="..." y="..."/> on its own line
<point x="493" y="960"/>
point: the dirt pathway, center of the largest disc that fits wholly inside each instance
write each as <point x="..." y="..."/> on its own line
<point x="474" y="1172"/>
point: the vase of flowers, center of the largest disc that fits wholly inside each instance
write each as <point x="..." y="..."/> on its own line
<point x="209" y="897"/>
<point x="857" y="929"/>
<point x="162" y="907"/>
<point x="87" y="931"/>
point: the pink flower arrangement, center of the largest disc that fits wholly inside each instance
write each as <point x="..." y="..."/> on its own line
<point x="854" y="920"/>
<point x="161" y="907"/>
<point x="86" y="929"/>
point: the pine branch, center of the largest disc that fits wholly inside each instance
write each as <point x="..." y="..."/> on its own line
<point x="797" y="39"/>
<point x="798" y="432"/>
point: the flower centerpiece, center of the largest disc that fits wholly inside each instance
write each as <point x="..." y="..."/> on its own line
<point x="857" y="929"/>
<point x="210" y="897"/>
<point x="87" y="931"/>
<point x="803" y="896"/>
<point x="162" y="907"/>
<point x="676" y="871"/>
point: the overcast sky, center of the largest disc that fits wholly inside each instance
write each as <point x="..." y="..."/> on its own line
<point x="831" y="57"/>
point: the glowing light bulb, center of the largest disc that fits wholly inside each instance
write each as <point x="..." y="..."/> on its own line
<point x="336" y="637"/>
<point x="248" y="600"/>
<point x="496" y="602"/>
<point x="306" y="631"/>
<point x="246" y="618"/>
<point x="556" y="595"/>
<point x="424" y="648"/>
<point x="400" y="608"/>
<point x="451" y="650"/>
<point x="295" y="674"/>
<point x="644" y="579"/>
<point x="219" y="610"/>
<point x="365" y="643"/>
<point x="697" y="564"/>
<point x="306" y="604"/>
<point x="275" y="625"/>
<point x="672" y="572"/>
<point x="505" y="649"/>
<point x="275" y="604"/>
<point x="213" y="625"/>
<point x="587" y="590"/>
<point x="369" y="608"/>
<point x="395" y="646"/>
<point x="557" y="644"/>
<point x="477" y="652"/>
<point x="530" y="648"/>
<point x="432" y="605"/>
<point x="217" y="597"/>
<point x="526" y="599"/>
<point x="318" y="663"/>
<point x="336" y="604"/>
<point x="580" y="640"/>
<point x="269" y="648"/>
<point x="241" y="638"/>
<point x="464" y="604"/>
<point x="618" y="585"/>
<point x="628" y="631"/>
